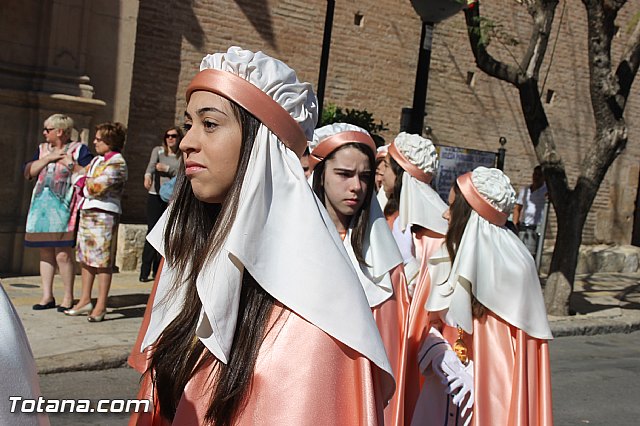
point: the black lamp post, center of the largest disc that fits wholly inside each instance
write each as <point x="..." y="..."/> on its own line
<point x="324" y="59"/>
<point x="430" y="12"/>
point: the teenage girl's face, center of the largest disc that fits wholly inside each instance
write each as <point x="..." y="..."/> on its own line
<point x="389" y="178"/>
<point x="211" y="146"/>
<point x="447" y="213"/>
<point x="380" y="168"/>
<point x="346" y="179"/>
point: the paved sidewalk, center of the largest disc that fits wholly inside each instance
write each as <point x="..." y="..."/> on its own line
<point x="605" y="303"/>
<point x="62" y="343"/>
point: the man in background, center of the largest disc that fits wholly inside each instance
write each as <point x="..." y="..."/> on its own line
<point x="527" y="213"/>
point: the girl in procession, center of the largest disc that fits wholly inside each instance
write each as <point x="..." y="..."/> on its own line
<point x="342" y="163"/>
<point x="258" y="316"/>
<point x="486" y="357"/>
<point x="414" y="211"/>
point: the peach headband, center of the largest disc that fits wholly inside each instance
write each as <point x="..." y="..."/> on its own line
<point x="478" y="202"/>
<point x="408" y="166"/>
<point x="333" y="142"/>
<point x="255" y="101"/>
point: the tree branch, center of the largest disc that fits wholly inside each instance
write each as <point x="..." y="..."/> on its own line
<point x="484" y="60"/>
<point x="542" y="13"/>
<point x="603" y="85"/>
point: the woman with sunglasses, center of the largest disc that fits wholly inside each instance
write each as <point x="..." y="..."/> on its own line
<point x="163" y="165"/>
<point x="257" y="317"/>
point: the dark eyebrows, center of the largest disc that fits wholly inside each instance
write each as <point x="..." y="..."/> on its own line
<point x="342" y="169"/>
<point x="209" y="109"/>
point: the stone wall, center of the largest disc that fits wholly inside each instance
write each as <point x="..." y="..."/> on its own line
<point x="600" y="258"/>
<point x="129" y="248"/>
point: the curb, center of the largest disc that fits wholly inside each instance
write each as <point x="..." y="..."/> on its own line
<point x="86" y="360"/>
<point x="627" y="322"/>
<point x="116" y="356"/>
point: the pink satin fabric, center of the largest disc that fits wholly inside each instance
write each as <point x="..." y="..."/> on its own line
<point x="391" y="317"/>
<point x="139" y="360"/>
<point x="254" y="100"/>
<point x="418" y="324"/>
<point x="512" y="378"/>
<point x="302" y="377"/>
<point x="333" y="142"/>
<point x="478" y="202"/>
<point x="512" y="375"/>
<point x="408" y="166"/>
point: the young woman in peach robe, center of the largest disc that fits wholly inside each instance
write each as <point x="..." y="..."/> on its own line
<point x="248" y="324"/>
<point x="486" y="358"/>
<point x="414" y="212"/>
<point x="342" y="161"/>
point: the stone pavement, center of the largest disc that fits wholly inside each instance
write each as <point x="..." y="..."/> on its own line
<point x="605" y="303"/>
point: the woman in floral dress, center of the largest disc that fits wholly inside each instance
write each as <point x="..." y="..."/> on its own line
<point x="104" y="185"/>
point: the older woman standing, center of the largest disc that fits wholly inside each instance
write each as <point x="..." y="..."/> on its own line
<point x="163" y="165"/>
<point x="50" y="222"/>
<point x="106" y="176"/>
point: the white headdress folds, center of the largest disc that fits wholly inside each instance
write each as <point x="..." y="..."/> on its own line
<point x="380" y="250"/>
<point x="491" y="263"/>
<point x="279" y="227"/>
<point x="419" y="204"/>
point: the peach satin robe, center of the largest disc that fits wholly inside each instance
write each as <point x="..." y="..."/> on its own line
<point x="512" y="379"/>
<point x="391" y="317"/>
<point x="302" y="376"/>
<point x="427" y="242"/>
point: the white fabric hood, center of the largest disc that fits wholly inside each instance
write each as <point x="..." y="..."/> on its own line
<point x="505" y="280"/>
<point x="284" y="239"/>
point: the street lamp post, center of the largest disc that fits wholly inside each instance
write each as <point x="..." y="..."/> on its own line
<point x="324" y="59"/>
<point x="422" y="79"/>
<point x="430" y="12"/>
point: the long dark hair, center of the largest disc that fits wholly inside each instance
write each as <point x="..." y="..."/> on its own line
<point x="196" y="232"/>
<point x="361" y="217"/>
<point x="459" y="212"/>
<point x="393" y="203"/>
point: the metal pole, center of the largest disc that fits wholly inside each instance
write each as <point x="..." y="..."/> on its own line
<point x="422" y="79"/>
<point x="542" y="231"/>
<point x="501" y="153"/>
<point x="324" y="59"/>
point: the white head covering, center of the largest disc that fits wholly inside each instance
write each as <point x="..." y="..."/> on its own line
<point x="419" y="204"/>
<point x="382" y="152"/>
<point x="380" y="250"/>
<point x="491" y="263"/>
<point x="331" y="129"/>
<point x="279" y="230"/>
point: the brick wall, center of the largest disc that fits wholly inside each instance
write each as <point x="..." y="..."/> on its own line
<point x="372" y="66"/>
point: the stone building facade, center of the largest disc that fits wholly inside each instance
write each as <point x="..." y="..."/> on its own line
<point x="131" y="61"/>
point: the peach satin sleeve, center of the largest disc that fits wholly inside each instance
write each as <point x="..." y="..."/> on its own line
<point x="139" y="360"/>
<point x="302" y="377"/>
<point x="391" y="317"/>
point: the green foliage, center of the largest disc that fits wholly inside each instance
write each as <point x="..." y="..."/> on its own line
<point x="489" y="29"/>
<point x="360" y="118"/>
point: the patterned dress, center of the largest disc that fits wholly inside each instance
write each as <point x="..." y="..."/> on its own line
<point x="100" y="211"/>
<point x="51" y="220"/>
